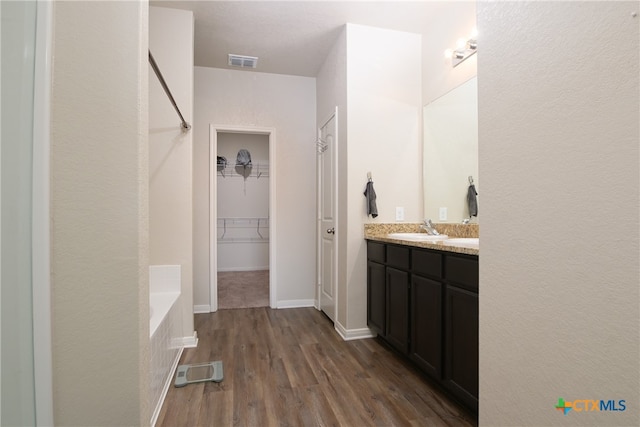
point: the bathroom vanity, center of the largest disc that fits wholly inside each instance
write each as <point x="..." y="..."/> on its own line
<point x="422" y="299"/>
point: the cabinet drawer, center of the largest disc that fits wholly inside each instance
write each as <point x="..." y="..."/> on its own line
<point x="426" y="262"/>
<point x="398" y="256"/>
<point x="463" y="271"/>
<point x="375" y="251"/>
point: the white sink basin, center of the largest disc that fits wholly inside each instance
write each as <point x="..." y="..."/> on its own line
<point x="418" y="237"/>
<point x="466" y="242"/>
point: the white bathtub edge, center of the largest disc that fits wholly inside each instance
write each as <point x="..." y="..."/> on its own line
<point x="161" y="303"/>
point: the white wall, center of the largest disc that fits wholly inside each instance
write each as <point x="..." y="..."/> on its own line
<point x="559" y="269"/>
<point x="287" y="104"/>
<point x="99" y="215"/>
<point x="170" y="149"/>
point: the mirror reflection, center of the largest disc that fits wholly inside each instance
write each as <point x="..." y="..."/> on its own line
<point x="451" y="154"/>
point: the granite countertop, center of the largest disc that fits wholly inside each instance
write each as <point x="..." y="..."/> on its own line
<point x="379" y="232"/>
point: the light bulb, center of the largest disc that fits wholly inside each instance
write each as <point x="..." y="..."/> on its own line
<point x="461" y="43"/>
<point x="474" y="33"/>
<point x="448" y="53"/>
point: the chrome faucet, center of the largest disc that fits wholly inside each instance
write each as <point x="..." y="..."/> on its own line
<point x="427" y="226"/>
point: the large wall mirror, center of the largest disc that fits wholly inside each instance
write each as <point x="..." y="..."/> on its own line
<point x="451" y="153"/>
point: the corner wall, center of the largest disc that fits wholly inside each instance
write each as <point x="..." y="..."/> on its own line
<point x="99" y="228"/>
<point x="384" y="137"/>
<point x="560" y="265"/>
<point x="374" y="77"/>
<point x="331" y="91"/>
<point x="171" y="151"/>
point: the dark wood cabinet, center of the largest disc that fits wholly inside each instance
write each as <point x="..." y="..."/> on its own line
<point x="388" y="293"/>
<point x="424" y="303"/>
<point x="461" y="347"/>
<point x="376" y="297"/>
<point x="426" y="325"/>
<point x="397" y="332"/>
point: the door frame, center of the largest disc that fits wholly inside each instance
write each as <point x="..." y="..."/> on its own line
<point x="213" y="208"/>
<point x="41" y="249"/>
<point x="322" y="123"/>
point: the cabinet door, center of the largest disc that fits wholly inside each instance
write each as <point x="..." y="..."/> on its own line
<point x="397" y="333"/>
<point x="376" y="297"/>
<point x="426" y="325"/>
<point x="461" y="353"/>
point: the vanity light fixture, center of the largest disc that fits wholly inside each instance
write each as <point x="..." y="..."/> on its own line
<point x="464" y="49"/>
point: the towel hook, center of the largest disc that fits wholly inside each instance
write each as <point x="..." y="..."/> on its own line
<point x="470" y="180"/>
<point x="369" y="176"/>
<point x="321" y="145"/>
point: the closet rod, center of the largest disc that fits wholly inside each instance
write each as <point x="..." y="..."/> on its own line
<point x="185" y="126"/>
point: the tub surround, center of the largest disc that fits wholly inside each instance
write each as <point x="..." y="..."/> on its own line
<point x="164" y="291"/>
<point x="165" y="331"/>
<point x="379" y="232"/>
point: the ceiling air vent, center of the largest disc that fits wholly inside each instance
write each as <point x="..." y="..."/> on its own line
<point x="243" y="61"/>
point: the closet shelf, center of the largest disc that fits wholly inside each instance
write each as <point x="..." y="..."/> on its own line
<point x="238" y="229"/>
<point x="256" y="170"/>
<point x="243" y="240"/>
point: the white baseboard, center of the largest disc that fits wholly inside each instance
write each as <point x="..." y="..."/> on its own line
<point x="200" y="309"/>
<point x="353" y="334"/>
<point x="190" y="342"/>
<point x="165" y="389"/>
<point x="296" y="303"/>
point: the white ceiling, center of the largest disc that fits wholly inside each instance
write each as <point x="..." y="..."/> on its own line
<point x="290" y="37"/>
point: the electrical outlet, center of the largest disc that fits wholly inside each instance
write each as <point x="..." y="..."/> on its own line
<point x="443" y="214"/>
<point x="399" y="214"/>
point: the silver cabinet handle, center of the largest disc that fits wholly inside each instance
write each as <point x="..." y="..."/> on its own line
<point x="331" y="231"/>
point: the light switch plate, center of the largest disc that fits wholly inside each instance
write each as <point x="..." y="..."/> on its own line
<point x="399" y="214"/>
<point x="443" y="214"/>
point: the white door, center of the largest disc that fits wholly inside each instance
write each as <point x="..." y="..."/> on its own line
<point x="327" y="215"/>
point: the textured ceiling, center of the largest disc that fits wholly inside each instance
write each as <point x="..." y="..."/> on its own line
<point x="290" y="37"/>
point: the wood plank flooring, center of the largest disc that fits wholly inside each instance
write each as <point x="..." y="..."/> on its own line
<point x="290" y="368"/>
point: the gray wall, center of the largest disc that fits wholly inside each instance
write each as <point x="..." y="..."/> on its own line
<point x="99" y="214"/>
<point x="559" y="269"/>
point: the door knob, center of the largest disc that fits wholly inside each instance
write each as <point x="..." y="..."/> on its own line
<point x="331" y="231"/>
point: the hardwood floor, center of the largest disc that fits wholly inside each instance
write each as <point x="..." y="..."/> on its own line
<point x="290" y="368"/>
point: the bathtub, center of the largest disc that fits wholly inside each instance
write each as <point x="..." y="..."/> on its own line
<point x="165" y="331"/>
<point x="160" y="305"/>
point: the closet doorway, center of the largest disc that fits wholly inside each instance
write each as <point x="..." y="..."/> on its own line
<point x="241" y="218"/>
